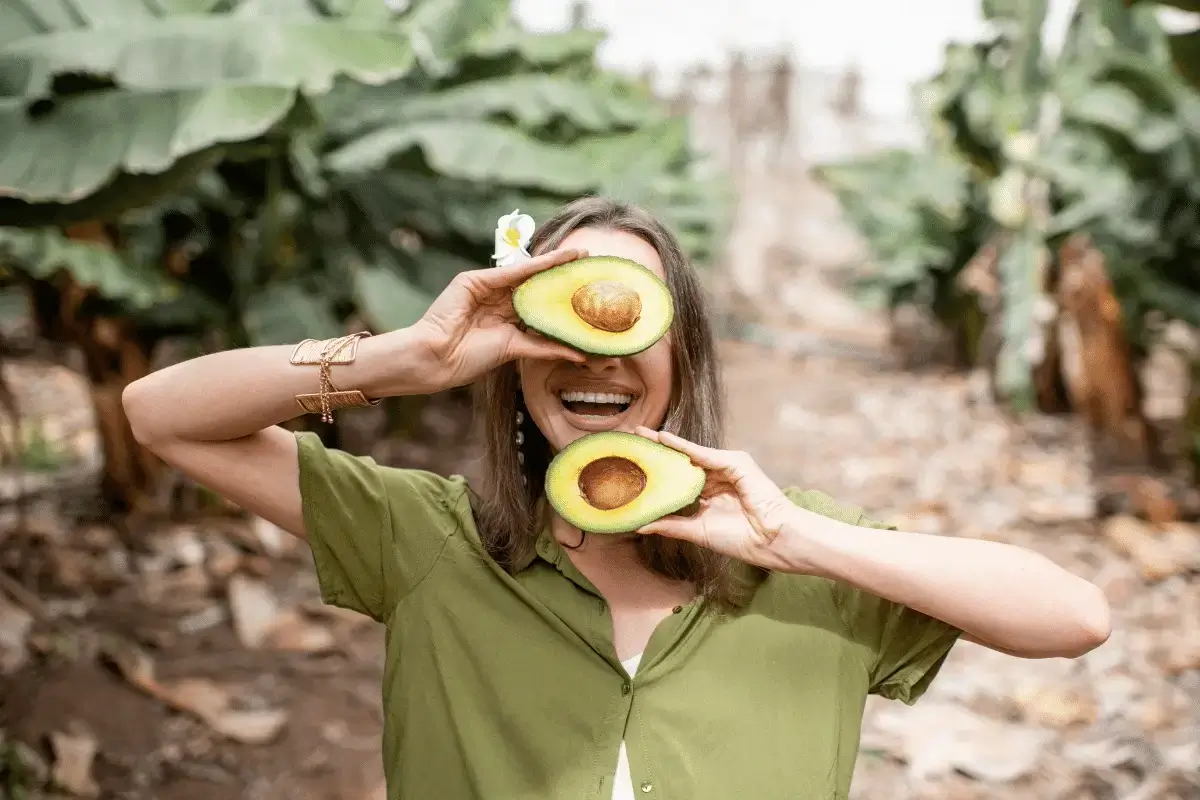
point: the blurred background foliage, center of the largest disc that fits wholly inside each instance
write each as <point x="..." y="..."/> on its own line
<point x="1051" y="224"/>
<point x="222" y="173"/>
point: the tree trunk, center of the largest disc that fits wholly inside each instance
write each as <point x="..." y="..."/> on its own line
<point x="1191" y="422"/>
<point x="1049" y="387"/>
<point x="1098" y="362"/>
<point x="114" y="354"/>
<point x="132" y="474"/>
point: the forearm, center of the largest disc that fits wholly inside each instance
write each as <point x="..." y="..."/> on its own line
<point x="1001" y="595"/>
<point x="231" y="394"/>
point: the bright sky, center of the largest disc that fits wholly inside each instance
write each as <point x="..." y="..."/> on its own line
<point x="894" y="41"/>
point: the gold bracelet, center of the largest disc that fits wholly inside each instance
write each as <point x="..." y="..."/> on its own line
<point x="325" y="353"/>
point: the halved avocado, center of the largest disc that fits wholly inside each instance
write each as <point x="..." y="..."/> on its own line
<point x="616" y="482"/>
<point x="603" y="305"/>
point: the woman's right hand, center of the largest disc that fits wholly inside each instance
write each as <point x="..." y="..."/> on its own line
<point x="471" y="328"/>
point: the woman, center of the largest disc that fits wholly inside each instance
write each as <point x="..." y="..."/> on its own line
<point x="726" y="654"/>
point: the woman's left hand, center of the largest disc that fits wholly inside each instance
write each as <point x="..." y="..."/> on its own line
<point x="741" y="511"/>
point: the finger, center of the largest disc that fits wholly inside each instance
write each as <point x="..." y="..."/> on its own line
<point x="646" y="433"/>
<point x="498" y="277"/>
<point x="674" y="527"/>
<point x="530" y="345"/>
<point x="700" y="455"/>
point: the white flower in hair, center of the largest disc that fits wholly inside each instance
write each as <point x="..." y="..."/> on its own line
<point x="513" y="233"/>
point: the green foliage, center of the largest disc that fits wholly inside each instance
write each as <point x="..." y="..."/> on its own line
<point x="38" y="452"/>
<point x="279" y="169"/>
<point x="43" y="253"/>
<point x="160" y="93"/>
<point x="918" y="212"/>
<point x="18" y="778"/>
<point x="1102" y="140"/>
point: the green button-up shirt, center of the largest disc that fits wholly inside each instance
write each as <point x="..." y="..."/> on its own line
<point x="508" y="687"/>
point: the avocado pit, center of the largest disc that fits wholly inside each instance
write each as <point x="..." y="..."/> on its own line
<point x="608" y="305"/>
<point x="611" y="482"/>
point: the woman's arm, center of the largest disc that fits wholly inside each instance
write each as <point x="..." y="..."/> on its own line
<point x="216" y="417"/>
<point x="1001" y="596"/>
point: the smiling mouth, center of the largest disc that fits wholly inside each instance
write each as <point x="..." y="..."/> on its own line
<point x="596" y="404"/>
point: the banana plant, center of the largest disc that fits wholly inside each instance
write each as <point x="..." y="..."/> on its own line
<point x="1100" y="141"/>
<point x="355" y="206"/>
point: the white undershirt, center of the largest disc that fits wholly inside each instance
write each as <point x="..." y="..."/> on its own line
<point x="623" y="781"/>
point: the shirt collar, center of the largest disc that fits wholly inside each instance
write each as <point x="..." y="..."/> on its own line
<point x="546" y="547"/>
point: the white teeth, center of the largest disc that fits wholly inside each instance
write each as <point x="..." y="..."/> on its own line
<point x="596" y="397"/>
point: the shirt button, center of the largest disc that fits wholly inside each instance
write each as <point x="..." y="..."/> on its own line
<point x="647" y="786"/>
<point x="677" y="609"/>
<point x="625" y="688"/>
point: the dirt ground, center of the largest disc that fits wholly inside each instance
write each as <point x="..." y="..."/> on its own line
<point x="195" y="661"/>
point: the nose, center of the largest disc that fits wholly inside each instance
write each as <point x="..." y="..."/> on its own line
<point x="601" y="364"/>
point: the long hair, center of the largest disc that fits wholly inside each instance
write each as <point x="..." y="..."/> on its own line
<point x="507" y="506"/>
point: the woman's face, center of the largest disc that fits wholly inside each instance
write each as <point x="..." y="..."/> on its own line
<point x="567" y="401"/>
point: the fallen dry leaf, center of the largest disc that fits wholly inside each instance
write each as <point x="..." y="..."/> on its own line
<point x="344" y="617"/>
<point x="1184" y="542"/>
<point x="46" y="525"/>
<point x="72" y="568"/>
<point x="254" y="609"/>
<point x="1156" y="558"/>
<point x="1183" y="655"/>
<point x="938" y="738"/>
<point x="74" y="753"/>
<point x="15" y="624"/>
<point x="180" y="591"/>
<point x="180" y="547"/>
<point x="202" y="620"/>
<point x="275" y="541"/>
<point x="261" y="537"/>
<point x="292" y="632"/>
<point x="205" y="699"/>
<point x="1149" y="498"/>
<point x="1162" y="708"/>
<point x="1057" y="708"/>
<point x="223" y="559"/>
<point x="214" y="704"/>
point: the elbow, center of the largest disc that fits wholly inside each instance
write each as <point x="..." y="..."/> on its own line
<point x="1092" y="622"/>
<point x="137" y="404"/>
<point x="1096" y="619"/>
<point x="1084" y="626"/>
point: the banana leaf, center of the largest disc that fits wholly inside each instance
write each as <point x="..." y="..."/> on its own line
<point x="153" y="90"/>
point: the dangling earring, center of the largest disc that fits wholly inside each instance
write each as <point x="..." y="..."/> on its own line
<point x="520" y="440"/>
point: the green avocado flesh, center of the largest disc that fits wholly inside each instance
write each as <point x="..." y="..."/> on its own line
<point x="600" y="305"/>
<point x="617" y="482"/>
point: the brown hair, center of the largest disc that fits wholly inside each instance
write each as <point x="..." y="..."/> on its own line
<point x="506" y="509"/>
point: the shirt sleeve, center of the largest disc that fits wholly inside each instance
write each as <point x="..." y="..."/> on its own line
<point x="375" y="532"/>
<point x="906" y="647"/>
